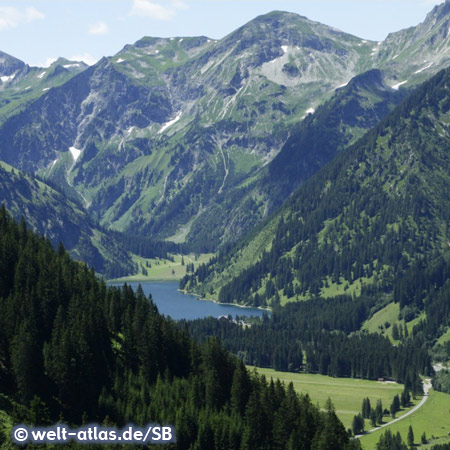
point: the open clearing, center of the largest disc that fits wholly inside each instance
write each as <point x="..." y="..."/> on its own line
<point x="433" y="418"/>
<point x="347" y="394"/>
<point x="158" y="269"/>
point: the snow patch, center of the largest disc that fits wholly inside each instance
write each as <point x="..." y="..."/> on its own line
<point x="5" y="79"/>
<point x="41" y="75"/>
<point x="284" y="48"/>
<point x="45" y="89"/>
<point x="310" y="111"/>
<point x="120" y="60"/>
<point x="28" y="87"/>
<point x="342" y="85"/>
<point x="75" y="153"/>
<point x="156" y="51"/>
<point x="395" y="57"/>
<point x="424" y="68"/>
<point x="181" y="40"/>
<point x="130" y="130"/>
<point x="53" y="163"/>
<point x="396" y="86"/>
<point x="170" y="123"/>
<point x="68" y="66"/>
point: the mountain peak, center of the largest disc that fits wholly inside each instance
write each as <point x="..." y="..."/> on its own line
<point x="9" y="64"/>
<point x="439" y="12"/>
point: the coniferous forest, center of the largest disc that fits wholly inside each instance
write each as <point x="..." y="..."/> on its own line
<point x="76" y="351"/>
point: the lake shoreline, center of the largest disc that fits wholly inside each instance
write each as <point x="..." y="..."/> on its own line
<point x="182" y="305"/>
<point x="204" y="299"/>
<point x="183" y="291"/>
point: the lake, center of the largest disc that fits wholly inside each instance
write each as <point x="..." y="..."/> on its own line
<point x="171" y="302"/>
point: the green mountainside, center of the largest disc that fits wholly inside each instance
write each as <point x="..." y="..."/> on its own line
<point x="362" y="220"/>
<point x="174" y="137"/>
<point x="61" y="220"/>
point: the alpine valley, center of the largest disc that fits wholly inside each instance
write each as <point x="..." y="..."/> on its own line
<point x="178" y="138"/>
<point x="314" y="165"/>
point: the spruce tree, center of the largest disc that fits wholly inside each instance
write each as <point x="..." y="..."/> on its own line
<point x="410" y="438"/>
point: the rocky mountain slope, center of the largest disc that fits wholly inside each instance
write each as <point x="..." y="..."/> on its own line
<point x="175" y="137"/>
<point x="20" y="83"/>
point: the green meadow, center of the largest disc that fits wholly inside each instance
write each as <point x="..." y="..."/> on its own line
<point x="433" y="418"/>
<point x="346" y="394"/>
<point x="159" y="269"/>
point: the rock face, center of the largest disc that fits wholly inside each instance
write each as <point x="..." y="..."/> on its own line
<point x="9" y="65"/>
<point x="173" y="137"/>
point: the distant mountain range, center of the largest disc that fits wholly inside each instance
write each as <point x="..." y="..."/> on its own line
<point x="199" y="140"/>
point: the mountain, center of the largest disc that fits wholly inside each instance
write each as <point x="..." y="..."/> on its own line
<point x="61" y="220"/>
<point x="9" y="66"/>
<point x="362" y="220"/>
<point x="336" y="124"/>
<point x="413" y="54"/>
<point x="158" y="137"/>
<point x="21" y="83"/>
<point x="175" y="137"/>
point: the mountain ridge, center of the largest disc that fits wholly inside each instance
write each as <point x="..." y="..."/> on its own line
<point x="172" y="136"/>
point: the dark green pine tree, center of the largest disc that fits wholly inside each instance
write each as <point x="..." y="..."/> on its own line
<point x="373" y="418"/>
<point x="410" y="437"/>
<point x="358" y="425"/>
<point x="332" y="435"/>
<point x="366" y="408"/>
<point x="379" y="412"/>
<point x="240" y="389"/>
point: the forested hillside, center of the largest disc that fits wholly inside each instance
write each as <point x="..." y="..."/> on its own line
<point x="74" y="350"/>
<point x="61" y="219"/>
<point x="362" y="220"/>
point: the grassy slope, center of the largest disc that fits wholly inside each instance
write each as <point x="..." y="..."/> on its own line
<point x="347" y="394"/>
<point x="444" y="338"/>
<point x="161" y="269"/>
<point x="433" y="418"/>
<point x="389" y="315"/>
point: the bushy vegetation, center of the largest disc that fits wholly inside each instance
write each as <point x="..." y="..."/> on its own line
<point x="441" y="381"/>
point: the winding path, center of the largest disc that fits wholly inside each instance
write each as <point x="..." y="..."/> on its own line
<point x="426" y="390"/>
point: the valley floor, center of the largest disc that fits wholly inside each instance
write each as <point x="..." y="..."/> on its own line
<point x="159" y="269"/>
<point x="347" y="394"/>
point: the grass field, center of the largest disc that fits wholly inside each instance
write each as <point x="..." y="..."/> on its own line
<point x="382" y="321"/>
<point x="163" y="269"/>
<point x="433" y="418"/>
<point x="444" y="338"/>
<point x="347" y="394"/>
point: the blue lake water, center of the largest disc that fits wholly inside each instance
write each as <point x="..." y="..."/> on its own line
<point x="171" y="302"/>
